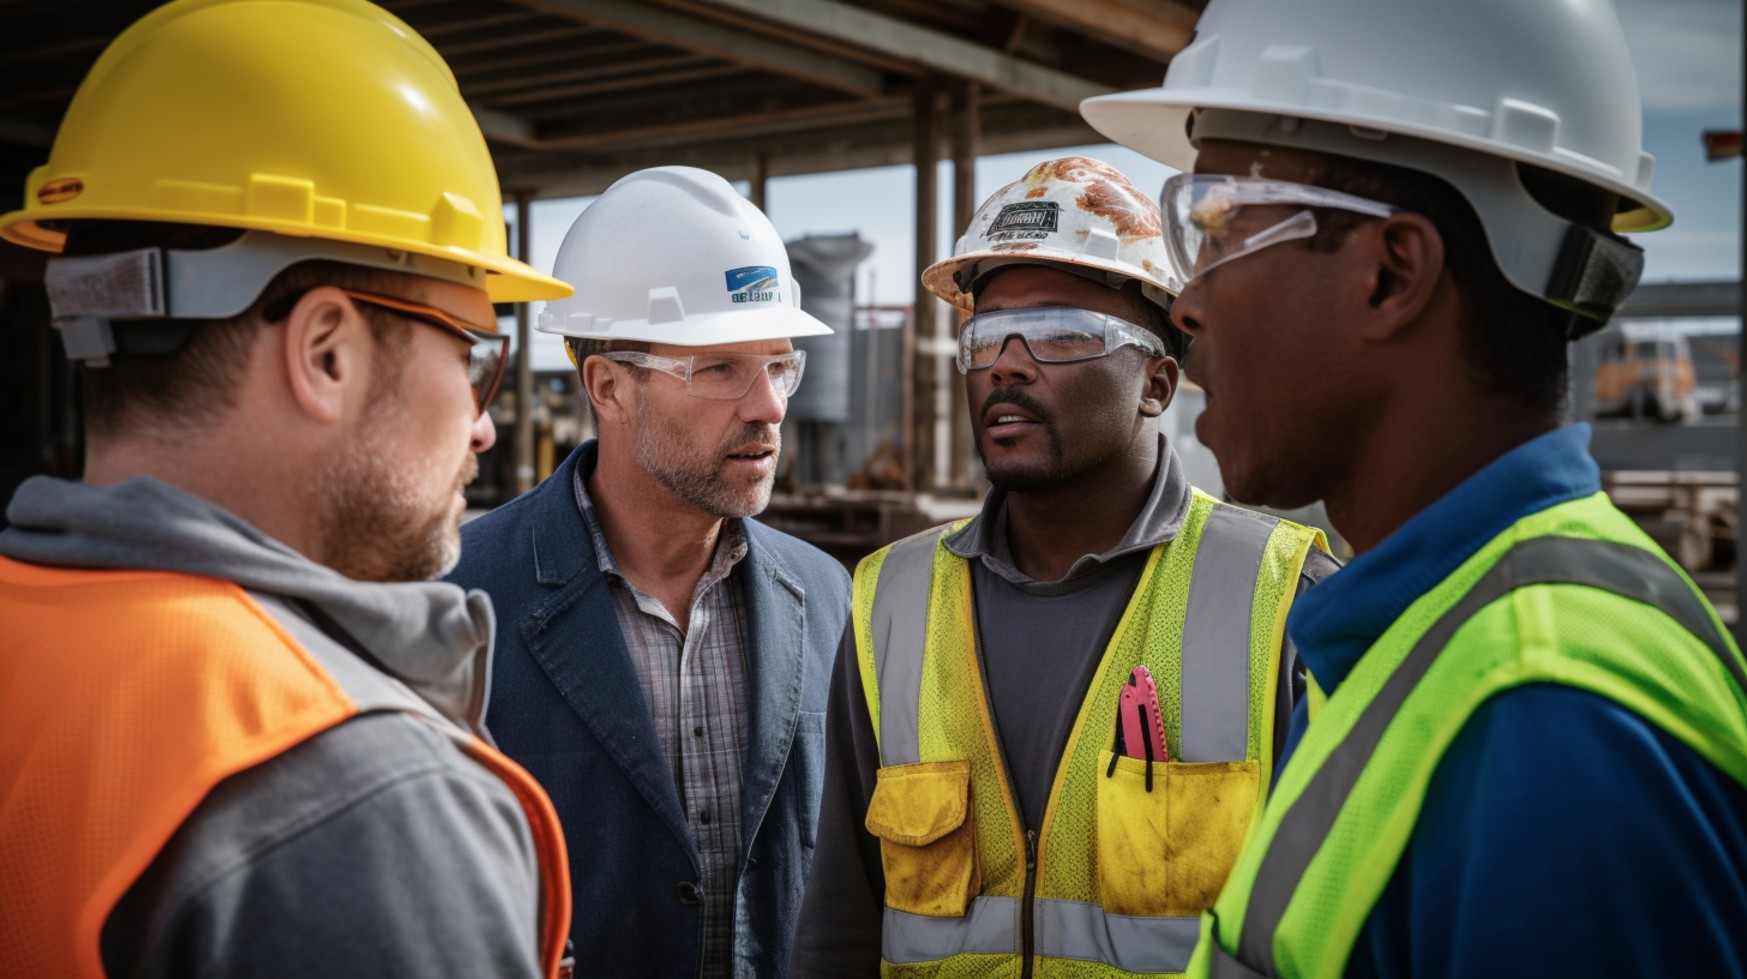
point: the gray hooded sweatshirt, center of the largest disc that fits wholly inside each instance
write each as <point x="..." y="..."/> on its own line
<point x="376" y="848"/>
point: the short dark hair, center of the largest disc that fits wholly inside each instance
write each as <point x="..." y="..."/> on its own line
<point x="198" y="383"/>
<point x="1517" y="342"/>
<point x="581" y="349"/>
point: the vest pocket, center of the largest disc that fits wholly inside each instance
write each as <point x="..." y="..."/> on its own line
<point x="928" y="840"/>
<point x="1168" y="851"/>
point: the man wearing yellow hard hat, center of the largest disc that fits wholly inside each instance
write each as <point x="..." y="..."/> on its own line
<point x="239" y="724"/>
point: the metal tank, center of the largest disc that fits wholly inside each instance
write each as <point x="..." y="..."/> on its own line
<point x="824" y="268"/>
<point x="820" y="413"/>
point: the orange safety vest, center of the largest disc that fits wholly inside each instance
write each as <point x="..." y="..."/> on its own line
<point x="127" y="696"/>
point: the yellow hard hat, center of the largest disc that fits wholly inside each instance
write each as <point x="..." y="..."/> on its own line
<point x="320" y="119"/>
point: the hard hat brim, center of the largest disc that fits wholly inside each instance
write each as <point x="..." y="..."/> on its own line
<point x="941" y="277"/>
<point x="508" y="280"/>
<point x="1154" y="123"/>
<point x="707" y="329"/>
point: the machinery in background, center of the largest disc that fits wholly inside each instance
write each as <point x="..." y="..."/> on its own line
<point x="1648" y="378"/>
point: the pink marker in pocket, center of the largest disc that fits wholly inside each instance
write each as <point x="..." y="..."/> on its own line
<point x="1143" y="727"/>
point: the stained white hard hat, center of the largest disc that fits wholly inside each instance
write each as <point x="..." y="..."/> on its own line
<point x="1075" y="213"/>
<point x="675" y="255"/>
<point x="1463" y="91"/>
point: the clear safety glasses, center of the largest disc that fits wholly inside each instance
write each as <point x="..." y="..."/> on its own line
<point x="1052" y="334"/>
<point x="723" y="376"/>
<point x="1211" y="219"/>
<point x="485" y="360"/>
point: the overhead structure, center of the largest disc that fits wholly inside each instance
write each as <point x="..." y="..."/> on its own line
<point x="574" y="93"/>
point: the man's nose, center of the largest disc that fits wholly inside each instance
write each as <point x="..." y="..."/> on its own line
<point x="1186" y="309"/>
<point x="764" y="402"/>
<point x="1014" y="364"/>
<point x="484" y="432"/>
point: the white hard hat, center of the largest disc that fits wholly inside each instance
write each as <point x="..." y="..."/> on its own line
<point x="1474" y="87"/>
<point x="1076" y="213"/>
<point x="675" y="255"/>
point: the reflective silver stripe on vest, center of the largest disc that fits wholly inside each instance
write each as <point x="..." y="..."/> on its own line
<point x="900" y="629"/>
<point x="1076" y="930"/>
<point x="990" y="927"/>
<point x="1216" y="634"/>
<point x="1064" y="929"/>
<point x="1627" y="571"/>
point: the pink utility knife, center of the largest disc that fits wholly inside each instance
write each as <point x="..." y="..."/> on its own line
<point x="1143" y="728"/>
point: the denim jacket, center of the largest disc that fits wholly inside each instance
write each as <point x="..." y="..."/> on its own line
<point x="565" y="703"/>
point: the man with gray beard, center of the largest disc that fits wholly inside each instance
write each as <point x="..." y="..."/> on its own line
<point x="663" y="660"/>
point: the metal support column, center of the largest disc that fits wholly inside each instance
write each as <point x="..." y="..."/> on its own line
<point x="966" y="129"/>
<point x="1741" y="405"/>
<point x="926" y="364"/>
<point x="524" y="437"/>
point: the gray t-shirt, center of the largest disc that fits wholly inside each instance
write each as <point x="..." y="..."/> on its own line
<point x="1037" y="640"/>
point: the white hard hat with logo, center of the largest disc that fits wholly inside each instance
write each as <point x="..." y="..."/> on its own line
<point x="1463" y="91"/>
<point x="675" y="255"/>
<point x="1076" y="213"/>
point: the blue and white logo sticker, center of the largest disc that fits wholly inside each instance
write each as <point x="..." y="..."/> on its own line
<point x="752" y="284"/>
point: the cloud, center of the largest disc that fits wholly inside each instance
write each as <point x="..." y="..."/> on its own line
<point x="1687" y="52"/>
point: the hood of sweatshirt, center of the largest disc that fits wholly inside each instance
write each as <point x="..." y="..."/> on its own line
<point x="431" y="635"/>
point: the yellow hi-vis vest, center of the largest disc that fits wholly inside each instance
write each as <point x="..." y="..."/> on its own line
<point x="1126" y="859"/>
<point x="1575" y="595"/>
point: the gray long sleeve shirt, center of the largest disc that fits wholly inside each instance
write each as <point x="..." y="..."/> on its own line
<point x="1037" y="639"/>
<point x="374" y="848"/>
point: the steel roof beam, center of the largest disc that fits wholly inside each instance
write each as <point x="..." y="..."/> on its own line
<point x="931" y="49"/>
<point x="621" y="83"/>
<point x="1155" y="28"/>
<point x="529" y="82"/>
<point x="676" y="30"/>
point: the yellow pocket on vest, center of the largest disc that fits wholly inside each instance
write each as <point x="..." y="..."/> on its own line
<point x="928" y="838"/>
<point x="1168" y="851"/>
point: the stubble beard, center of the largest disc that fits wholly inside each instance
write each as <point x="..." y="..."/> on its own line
<point x="699" y="481"/>
<point x="381" y="523"/>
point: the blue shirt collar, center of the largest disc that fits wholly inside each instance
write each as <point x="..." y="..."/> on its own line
<point x="1335" y="622"/>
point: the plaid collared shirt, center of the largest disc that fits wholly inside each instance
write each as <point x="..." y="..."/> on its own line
<point x="696" y="684"/>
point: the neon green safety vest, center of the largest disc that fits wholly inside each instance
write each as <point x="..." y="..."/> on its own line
<point x="1576" y="595"/>
<point x="1126" y="859"/>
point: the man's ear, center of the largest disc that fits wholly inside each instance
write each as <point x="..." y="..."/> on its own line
<point x="1161" y="386"/>
<point x="1405" y="256"/>
<point x="328" y="353"/>
<point x="605" y="390"/>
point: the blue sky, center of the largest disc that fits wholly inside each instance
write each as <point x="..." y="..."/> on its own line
<point x="1687" y="54"/>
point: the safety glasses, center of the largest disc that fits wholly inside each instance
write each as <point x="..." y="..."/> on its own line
<point x="486" y="358"/>
<point x="1051" y="334"/>
<point x="723" y="376"/>
<point x="1211" y="219"/>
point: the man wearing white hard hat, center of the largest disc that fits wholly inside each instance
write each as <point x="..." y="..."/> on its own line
<point x="662" y="658"/>
<point x="1532" y="755"/>
<point x="1050" y="725"/>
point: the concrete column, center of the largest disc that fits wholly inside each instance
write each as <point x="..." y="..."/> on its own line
<point x="524" y="435"/>
<point x="924" y="366"/>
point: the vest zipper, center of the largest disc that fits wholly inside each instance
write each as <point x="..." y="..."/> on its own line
<point x="1027" y="929"/>
<point x="1025" y="915"/>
